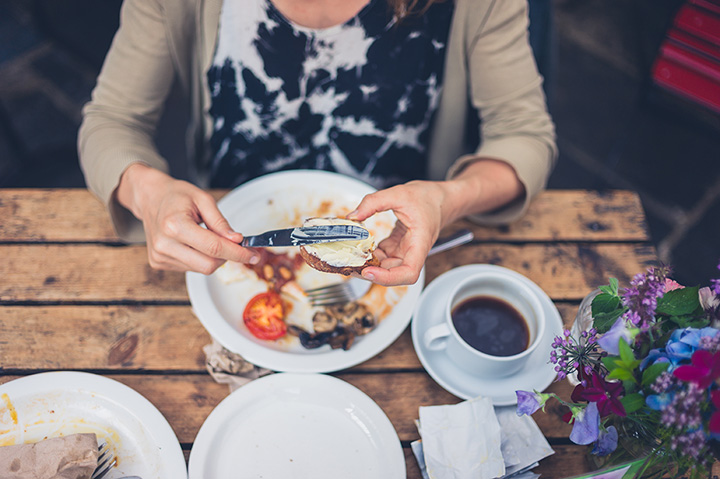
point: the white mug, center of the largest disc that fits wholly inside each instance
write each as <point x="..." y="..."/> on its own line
<point x="496" y="284"/>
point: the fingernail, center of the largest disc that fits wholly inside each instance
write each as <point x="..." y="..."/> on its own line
<point x="254" y="260"/>
<point x="352" y="214"/>
<point x="369" y="276"/>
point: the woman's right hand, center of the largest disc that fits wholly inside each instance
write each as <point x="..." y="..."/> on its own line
<point x="172" y="212"/>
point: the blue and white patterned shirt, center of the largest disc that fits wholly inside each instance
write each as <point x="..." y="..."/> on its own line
<point x="356" y="98"/>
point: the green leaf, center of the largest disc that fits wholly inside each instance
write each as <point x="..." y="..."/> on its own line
<point x="626" y="352"/>
<point x="610" y="362"/>
<point x="651" y="373"/>
<point x="604" y="303"/>
<point x="604" y="321"/>
<point x="679" y="302"/>
<point x="614" y="286"/>
<point x="621" y="374"/>
<point x="689" y="321"/>
<point x="633" y="402"/>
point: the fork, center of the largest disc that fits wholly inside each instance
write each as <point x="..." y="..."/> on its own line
<point x="106" y="461"/>
<point x="355" y="288"/>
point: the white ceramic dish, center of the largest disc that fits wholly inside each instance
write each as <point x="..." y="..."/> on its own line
<point x="298" y="426"/>
<point x="537" y="373"/>
<point x="61" y="403"/>
<point x="281" y="200"/>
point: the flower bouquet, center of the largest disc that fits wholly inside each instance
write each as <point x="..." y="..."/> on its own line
<point x="647" y="370"/>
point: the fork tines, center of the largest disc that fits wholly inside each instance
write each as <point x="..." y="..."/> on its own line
<point x="106" y="461"/>
<point x="331" y="294"/>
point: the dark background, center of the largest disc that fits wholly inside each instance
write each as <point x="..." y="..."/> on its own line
<point x="615" y="128"/>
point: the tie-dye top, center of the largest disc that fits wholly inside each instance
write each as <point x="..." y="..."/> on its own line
<point x="356" y="98"/>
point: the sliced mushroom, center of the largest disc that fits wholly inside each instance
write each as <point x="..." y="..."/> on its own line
<point x="323" y="322"/>
<point x="341" y="338"/>
<point x="295" y="330"/>
<point x="314" y="341"/>
<point x="364" y="324"/>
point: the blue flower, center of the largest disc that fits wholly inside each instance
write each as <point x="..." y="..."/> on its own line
<point x="683" y="342"/>
<point x="610" y="340"/>
<point x="658" y="402"/>
<point x="656" y="356"/>
<point x="586" y="425"/>
<point x="606" y="442"/>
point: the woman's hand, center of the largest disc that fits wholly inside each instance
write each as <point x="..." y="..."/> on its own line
<point x="421" y="209"/>
<point x="171" y="211"/>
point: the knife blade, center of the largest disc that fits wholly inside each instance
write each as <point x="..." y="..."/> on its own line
<point x="306" y="235"/>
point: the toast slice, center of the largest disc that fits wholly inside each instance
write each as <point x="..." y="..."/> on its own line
<point x="341" y="257"/>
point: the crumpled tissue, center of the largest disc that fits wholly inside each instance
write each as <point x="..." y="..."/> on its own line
<point x="475" y="440"/>
<point x="230" y="368"/>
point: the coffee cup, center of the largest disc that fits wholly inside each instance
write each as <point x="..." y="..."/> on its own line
<point x="492" y="323"/>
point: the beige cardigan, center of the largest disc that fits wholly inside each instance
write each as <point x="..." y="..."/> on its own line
<point x="488" y="63"/>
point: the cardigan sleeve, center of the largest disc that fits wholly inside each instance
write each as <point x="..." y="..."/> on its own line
<point x="120" y="120"/>
<point x="506" y="89"/>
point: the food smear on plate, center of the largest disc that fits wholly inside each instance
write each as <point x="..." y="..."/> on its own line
<point x="340" y="257"/>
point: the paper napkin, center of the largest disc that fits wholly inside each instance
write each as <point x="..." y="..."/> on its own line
<point x="68" y="457"/>
<point x="473" y="439"/>
<point x="462" y="441"/>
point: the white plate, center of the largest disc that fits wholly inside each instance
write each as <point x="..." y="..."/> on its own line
<point x="61" y="403"/>
<point x="299" y="426"/>
<point x="282" y="200"/>
<point x="537" y="374"/>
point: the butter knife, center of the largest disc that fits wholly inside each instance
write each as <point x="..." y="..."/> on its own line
<point x="306" y="235"/>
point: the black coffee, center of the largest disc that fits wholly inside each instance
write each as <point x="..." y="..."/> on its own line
<point x="491" y="325"/>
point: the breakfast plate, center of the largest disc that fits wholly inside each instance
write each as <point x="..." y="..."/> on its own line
<point x="297" y="425"/>
<point x="538" y="372"/>
<point x="282" y="200"/>
<point x="62" y="403"/>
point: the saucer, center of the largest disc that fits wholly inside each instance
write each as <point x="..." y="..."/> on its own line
<point x="538" y="372"/>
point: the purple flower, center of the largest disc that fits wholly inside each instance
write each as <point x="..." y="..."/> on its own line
<point x="527" y="402"/>
<point x="715" y="283"/>
<point x="604" y="394"/>
<point x="610" y="340"/>
<point x="642" y="295"/>
<point x="586" y="425"/>
<point x="606" y="442"/>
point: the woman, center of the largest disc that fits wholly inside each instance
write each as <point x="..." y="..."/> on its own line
<point x="383" y="90"/>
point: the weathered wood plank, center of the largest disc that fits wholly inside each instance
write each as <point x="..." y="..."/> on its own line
<point x="164" y="338"/>
<point x="97" y="273"/>
<point x="567" y="215"/>
<point x="128" y="338"/>
<point x="187" y="400"/>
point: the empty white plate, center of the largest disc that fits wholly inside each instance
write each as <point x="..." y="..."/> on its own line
<point x="296" y="425"/>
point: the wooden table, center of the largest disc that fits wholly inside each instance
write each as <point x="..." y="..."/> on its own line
<point x="72" y="297"/>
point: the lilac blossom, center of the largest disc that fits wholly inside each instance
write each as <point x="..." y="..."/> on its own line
<point x="642" y="296"/>
<point x="664" y="385"/>
<point x="607" y="442"/>
<point x="715" y="284"/>
<point x="586" y="425"/>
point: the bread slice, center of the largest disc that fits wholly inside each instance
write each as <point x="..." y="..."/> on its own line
<point x="342" y="257"/>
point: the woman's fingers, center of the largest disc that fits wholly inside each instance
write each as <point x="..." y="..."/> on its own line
<point x="214" y="220"/>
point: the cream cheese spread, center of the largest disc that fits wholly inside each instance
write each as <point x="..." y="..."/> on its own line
<point x="341" y="253"/>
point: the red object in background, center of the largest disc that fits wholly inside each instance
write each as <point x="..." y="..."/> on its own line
<point x="688" y="62"/>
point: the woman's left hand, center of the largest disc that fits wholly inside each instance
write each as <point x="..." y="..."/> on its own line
<point x="420" y="210"/>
